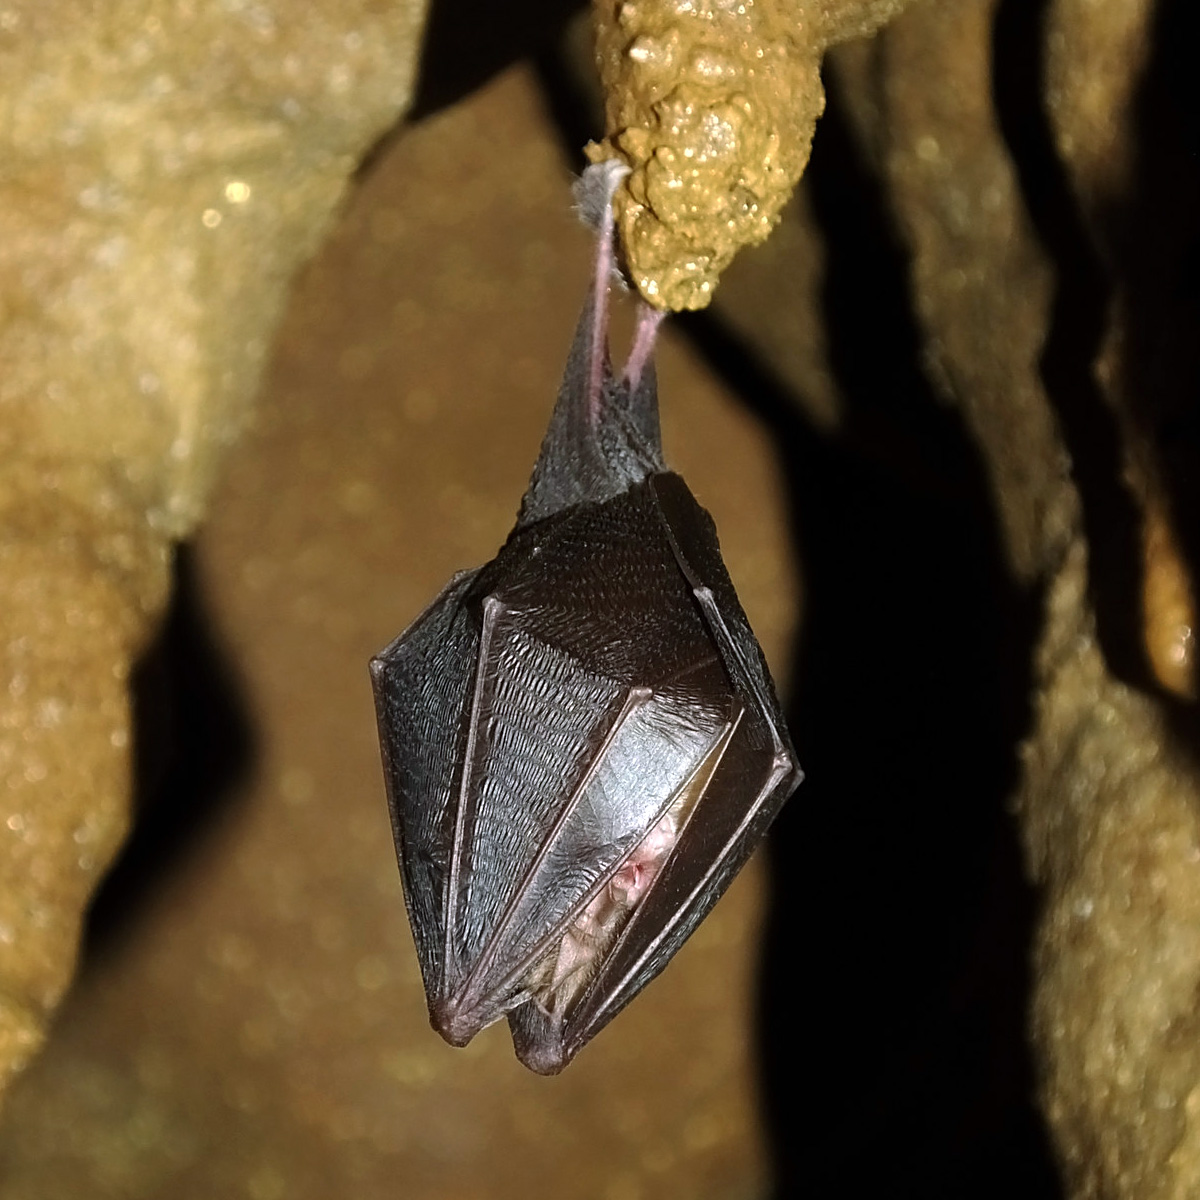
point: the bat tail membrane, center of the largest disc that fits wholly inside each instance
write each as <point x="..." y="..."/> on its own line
<point x="604" y="434"/>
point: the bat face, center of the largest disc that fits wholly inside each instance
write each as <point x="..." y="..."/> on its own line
<point x="581" y="740"/>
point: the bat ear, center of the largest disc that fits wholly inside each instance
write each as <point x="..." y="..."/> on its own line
<point x="603" y="437"/>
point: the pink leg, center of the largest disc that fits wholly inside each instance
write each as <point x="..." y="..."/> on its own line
<point x="594" y="192"/>
<point x="649" y="319"/>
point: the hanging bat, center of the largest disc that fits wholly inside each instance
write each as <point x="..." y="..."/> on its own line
<point x="581" y="740"/>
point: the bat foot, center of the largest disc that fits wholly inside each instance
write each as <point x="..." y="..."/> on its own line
<point x="594" y="191"/>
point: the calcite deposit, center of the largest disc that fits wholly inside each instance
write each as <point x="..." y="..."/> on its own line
<point x="712" y="105"/>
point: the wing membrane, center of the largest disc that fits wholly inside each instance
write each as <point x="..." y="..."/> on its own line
<point x="421" y="683"/>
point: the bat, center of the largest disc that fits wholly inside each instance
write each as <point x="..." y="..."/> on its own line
<point x="581" y="740"/>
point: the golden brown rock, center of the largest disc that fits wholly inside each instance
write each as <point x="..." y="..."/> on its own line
<point x="1097" y="72"/>
<point x="72" y="589"/>
<point x="1007" y="269"/>
<point x="1110" y="813"/>
<point x="1116" y="1009"/>
<point x="164" y="168"/>
<point x="713" y="107"/>
<point x="771" y="297"/>
<point x="252" y="1036"/>
<point x="81" y="575"/>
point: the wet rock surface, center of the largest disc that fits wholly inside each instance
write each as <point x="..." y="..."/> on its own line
<point x="712" y="106"/>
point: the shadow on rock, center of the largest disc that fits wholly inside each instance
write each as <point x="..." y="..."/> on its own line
<point x="195" y="746"/>
<point x="467" y="42"/>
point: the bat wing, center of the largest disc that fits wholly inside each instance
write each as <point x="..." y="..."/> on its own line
<point x="553" y="725"/>
<point x="745" y="779"/>
<point x="421" y="683"/>
<point x="483" y="726"/>
<point x="560" y="794"/>
<point x="562" y="772"/>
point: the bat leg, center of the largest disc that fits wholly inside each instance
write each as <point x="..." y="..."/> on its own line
<point x="604" y="434"/>
<point x="594" y="193"/>
<point x="648" y="321"/>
